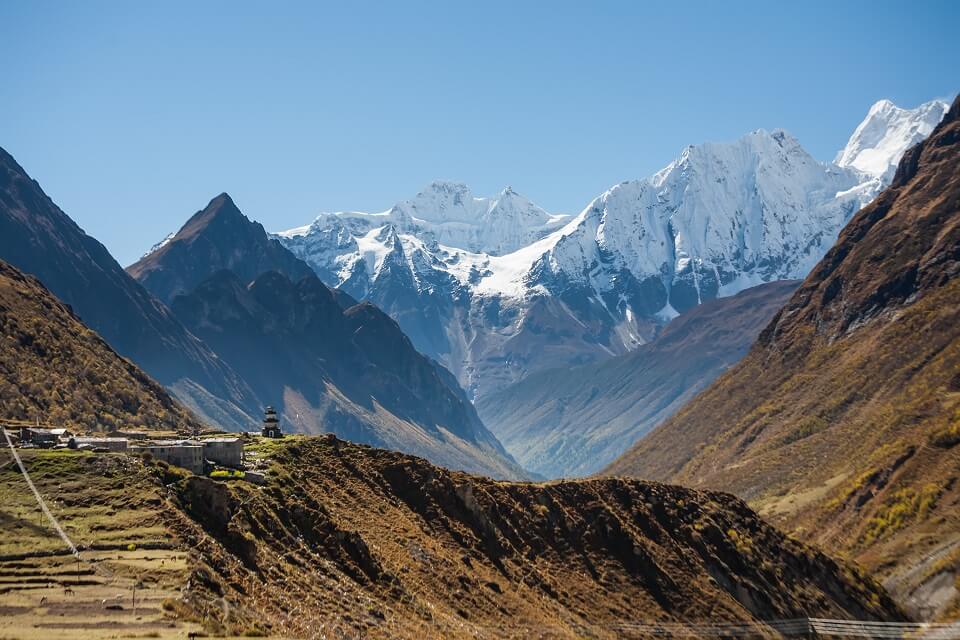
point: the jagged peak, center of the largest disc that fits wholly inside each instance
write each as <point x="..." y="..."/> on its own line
<point x="784" y="138"/>
<point x="887" y="131"/>
<point x="222" y="201"/>
<point x="221" y="209"/>
<point x="452" y="187"/>
<point x="508" y="199"/>
<point x="389" y="236"/>
<point x="881" y="106"/>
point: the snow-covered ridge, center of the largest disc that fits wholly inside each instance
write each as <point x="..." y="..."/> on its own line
<point x="728" y="214"/>
<point x="877" y="145"/>
<point x="493" y="284"/>
<point x="448" y="213"/>
<point x="721" y="217"/>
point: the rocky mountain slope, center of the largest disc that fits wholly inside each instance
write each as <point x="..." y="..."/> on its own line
<point x="843" y="422"/>
<point x="497" y="291"/>
<point x="325" y="362"/>
<point x="347" y="371"/>
<point x="215" y="238"/>
<point x="575" y="421"/>
<point x="349" y="541"/>
<point x="393" y="396"/>
<point x="55" y="369"/>
<point x="40" y="239"/>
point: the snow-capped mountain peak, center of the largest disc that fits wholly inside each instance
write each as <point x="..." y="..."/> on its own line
<point x="447" y="212"/>
<point x="443" y="201"/>
<point x="879" y="142"/>
<point x="496" y="288"/>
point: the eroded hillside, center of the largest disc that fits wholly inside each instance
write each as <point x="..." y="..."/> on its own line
<point x="346" y="538"/>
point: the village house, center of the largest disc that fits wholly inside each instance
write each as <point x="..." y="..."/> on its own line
<point x="180" y="453"/>
<point x="129" y="435"/>
<point x="94" y="442"/>
<point x="44" y="438"/>
<point x="224" y="451"/>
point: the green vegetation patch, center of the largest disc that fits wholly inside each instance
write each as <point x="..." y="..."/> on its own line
<point x="227" y="474"/>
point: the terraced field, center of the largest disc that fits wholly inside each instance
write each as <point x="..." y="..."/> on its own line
<point x="131" y="570"/>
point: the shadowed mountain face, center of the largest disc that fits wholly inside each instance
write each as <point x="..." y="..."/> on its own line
<point x="574" y="422"/>
<point x="297" y="346"/>
<point x="325" y="362"/>
<point x="54" y="368"/>
<point x="352" y="372"/>
<point x="40" y="239"/>
<point x="843" y="422"/>
<point x="218" y="237"/>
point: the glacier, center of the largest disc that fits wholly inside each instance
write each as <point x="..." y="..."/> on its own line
<point x="496" y="288"/>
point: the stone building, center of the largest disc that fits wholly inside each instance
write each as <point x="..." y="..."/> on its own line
<point x="92" y="442"/>
<point x="224" y="451"/>
<point x="42" y="437"/>
<point x="181" y="453"/>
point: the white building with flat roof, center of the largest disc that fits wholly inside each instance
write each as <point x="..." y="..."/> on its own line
<point x="181" y="453"/>
<point x="224" y="451"/>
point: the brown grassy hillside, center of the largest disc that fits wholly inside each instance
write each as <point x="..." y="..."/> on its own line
<point x="842" y="424"/>
<point x="349" y="541"/>
<point x="54" y="368"/>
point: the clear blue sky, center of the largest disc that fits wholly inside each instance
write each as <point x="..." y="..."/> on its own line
<point x="132" y="115"/>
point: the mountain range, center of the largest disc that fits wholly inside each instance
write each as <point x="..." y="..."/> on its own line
<point x="327" y="363"/>
<point x="230" y="319"/>
<point x="497" y="288"/>
<point x="669" y="314"/>
<point x="842" y="423"/>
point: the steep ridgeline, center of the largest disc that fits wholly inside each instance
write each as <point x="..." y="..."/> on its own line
<point x="325" y="362"/>
<point x="54" y="368"/>
<point x="575" y="421"/>
<point x="40" y="239"/>
<point x="843" y="422"/>
<point x="351" y="372"/>
<point x="348" y="541"/>
<point x="215" y="238"/>
<point x="496" y="289"/>
<point x="877" y="144"/>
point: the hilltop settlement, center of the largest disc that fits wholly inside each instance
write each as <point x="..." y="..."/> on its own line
<point x="217" y="454"/>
